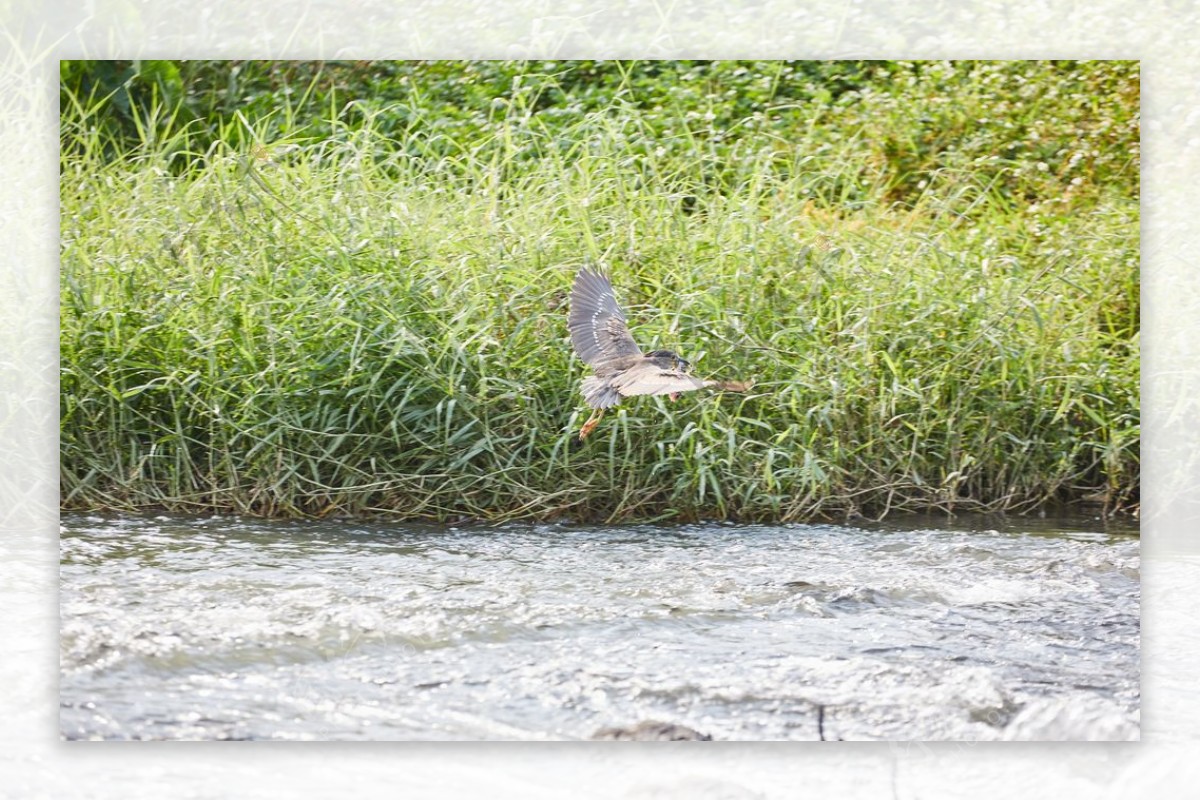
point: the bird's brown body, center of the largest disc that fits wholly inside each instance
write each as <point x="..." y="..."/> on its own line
<point x="600" y="335"/>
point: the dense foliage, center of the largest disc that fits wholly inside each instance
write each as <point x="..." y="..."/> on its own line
<point x="311" y="287"/>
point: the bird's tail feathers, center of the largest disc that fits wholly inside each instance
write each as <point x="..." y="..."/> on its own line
<point x="598" y="394"/>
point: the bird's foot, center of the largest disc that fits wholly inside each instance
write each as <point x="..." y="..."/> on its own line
<point x="591" y="424"/>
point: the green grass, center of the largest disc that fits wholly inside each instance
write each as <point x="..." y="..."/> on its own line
<point x="373" y="319"/>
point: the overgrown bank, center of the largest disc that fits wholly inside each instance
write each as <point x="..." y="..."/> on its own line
<point x="346" y="307"/>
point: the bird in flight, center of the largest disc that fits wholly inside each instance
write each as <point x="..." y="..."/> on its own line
<point x="601" y="337"/>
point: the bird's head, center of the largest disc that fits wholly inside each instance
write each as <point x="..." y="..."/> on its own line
<point x="671" y="359"/>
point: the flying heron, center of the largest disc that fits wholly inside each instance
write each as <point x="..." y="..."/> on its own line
<point x="601" y="337"/>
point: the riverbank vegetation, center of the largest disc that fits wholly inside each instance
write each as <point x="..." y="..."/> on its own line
<point x="306" y="288"/>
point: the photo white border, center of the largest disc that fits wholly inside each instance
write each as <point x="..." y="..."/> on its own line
<point x="35" y="762"/>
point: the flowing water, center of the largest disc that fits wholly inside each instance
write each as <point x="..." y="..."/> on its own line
<point x="227" y="628"/>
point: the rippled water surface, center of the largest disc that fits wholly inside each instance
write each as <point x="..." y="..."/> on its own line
<point x="224" y="628"/>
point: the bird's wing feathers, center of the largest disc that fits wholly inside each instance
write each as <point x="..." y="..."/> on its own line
<point x="649" y="379"/>
<point x="597" y="324"/>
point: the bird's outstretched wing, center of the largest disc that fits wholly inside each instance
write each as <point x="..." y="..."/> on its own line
<point x="650" y="379"/>
<point x="597" y="324"/>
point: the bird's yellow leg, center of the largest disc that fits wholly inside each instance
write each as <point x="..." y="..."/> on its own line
<point x="591" y="423"/>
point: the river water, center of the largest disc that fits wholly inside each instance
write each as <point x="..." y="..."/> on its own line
<point x="229" y="628"/>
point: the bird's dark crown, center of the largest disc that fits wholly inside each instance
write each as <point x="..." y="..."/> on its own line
<point x="671" y="357"/>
